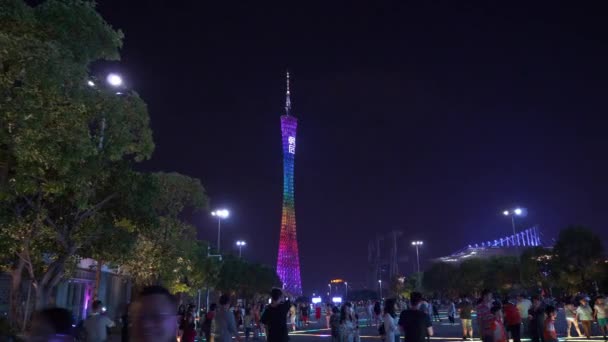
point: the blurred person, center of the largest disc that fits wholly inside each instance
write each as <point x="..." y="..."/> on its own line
<point x="570" y="312"/>
<point x="52" y="325"/>
<point x="415" y="324"/>
<point x="536" y="319"/>
<point x="305" y="312"/>
<point x="293" y="312"/>
<point x="153" y="316"/>
<point x="96" y="325"/>
<point x="318" y="313"/>
<point x="549" y="332"/>
<point x="452" y="312"/>
<point x="377" y="313"/>
<point x="599" y="311"/>
<point x="512" y="320"/>
<point x="434" y="307"/>
<point x="328" y="313"/>
<point x="248" y="323"/>
<point x="485" y="317"/>
<point x="188" y="325"/>
<point x="274" y="317"/>
<point x="208" y="322"/>
<point x="498" y="329"/>
<point x="347" y="323"/>
<point x="225" y="324"/>
<point x="391" y="320"/>
<point x="523" y="305"/>
<point x="466" y="319"/>
<point x="334" y="322"/>
<point x="584" y="314"/>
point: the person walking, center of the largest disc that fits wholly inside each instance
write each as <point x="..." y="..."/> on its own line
<point x="570" y="312"/>
<point x="334" y="322"/>
<point x="466" y="319"/>
<point x="318" y="313"/>
<point x="377" y="313"/>
<point x="536" y="319"/>
<point x="207" y="323"/>
<point x="415" y="324"/>
<point x="523" y="305"/>
<point x="347" y="324"/>
<point x="292" y="316"/>
<point x="189" y="328"/>
<point x="225" y="324"/>
<point x="452" y="312"/>
<point x="391" y="323"/>
<point x="549" y="332"/>
<point x="274" y="317"/>
<point x="328" y="314"/>
<point x="498" y="329"/>
<point x="599" y="311"/>
<point x="435" y="308"/>
<point x="584" y="314"/>
<point x="96" y="325"/>
<point x="512" y="320"/>
<point x="485" y="317"/>
<point x="305" y="312"/>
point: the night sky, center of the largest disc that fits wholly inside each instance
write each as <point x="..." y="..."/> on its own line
<point x="430" y="118"/>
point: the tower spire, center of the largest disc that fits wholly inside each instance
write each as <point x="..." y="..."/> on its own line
<point x="287" y="98"/>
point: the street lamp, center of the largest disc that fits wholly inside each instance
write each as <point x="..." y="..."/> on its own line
<point x="329" y="293"/>
<point x="346" y="287"/>
<point x="513" y="213"/>
<point x="220" y="214"/>
<point x="114" y="80"/>
<point x="240" y="244"/>
<point x="417" y="245"/>
<point x="380" y="283"/>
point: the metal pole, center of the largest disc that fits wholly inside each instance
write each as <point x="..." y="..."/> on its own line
<point x="418" y="258"/>
<point x="240" y="251"/>
<point x="380" y="290"/>
<point x="513" y="224"/>
<point x="219" y="227"/>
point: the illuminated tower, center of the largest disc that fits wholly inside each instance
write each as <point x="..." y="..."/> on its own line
<point x="288" y="262"/>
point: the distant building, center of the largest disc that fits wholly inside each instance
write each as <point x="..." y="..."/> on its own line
<point x="510" y="245"/>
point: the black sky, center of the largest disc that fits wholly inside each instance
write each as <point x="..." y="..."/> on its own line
<point x="430" y="117"/>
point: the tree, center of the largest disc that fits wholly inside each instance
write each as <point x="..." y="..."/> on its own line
<point x="239" y="277"/>
<point x="50" y="128"/>
<point x="439" y="278"/>
<point x="578" y="254"/>
<point x="166" y="250"/>
<point x="537" y="267"/>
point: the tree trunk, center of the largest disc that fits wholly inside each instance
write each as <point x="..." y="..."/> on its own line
<point x="15" y="298"/>
<point x="97" y="279"/>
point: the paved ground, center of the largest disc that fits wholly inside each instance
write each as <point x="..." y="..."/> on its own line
<point x="444" y="331"/>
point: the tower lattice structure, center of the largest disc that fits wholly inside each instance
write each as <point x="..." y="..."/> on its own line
<point x="288" y="261"/>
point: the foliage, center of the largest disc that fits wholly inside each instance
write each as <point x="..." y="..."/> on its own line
<point x="246" y="279"/>
<point x="165" y="248"/>
<point x="359" y="295"/>
<point x="578" y="254"/>
<point x="50" y="128"/>
<point x="576" y="263"/>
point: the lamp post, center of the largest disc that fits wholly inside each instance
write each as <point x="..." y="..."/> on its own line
<point x="346" y="292"/>
<point x="417" y="245"/>
<point x="329" y="285"/>
<point x="241" y="244"/>
<point x="380" y="284"/>
<point x="220" y="214"/>
<point x="115" y="81"/>
<point x="513" y="213"/>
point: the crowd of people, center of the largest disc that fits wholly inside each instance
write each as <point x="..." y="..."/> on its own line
<point x="153" y="317"/>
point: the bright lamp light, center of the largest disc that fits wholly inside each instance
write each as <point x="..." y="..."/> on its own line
<point x="114" y="80"/>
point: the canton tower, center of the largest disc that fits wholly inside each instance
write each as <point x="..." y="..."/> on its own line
<point x="288" y="262"/>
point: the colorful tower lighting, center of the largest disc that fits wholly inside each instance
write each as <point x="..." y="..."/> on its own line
<point x="288" y="262"/>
